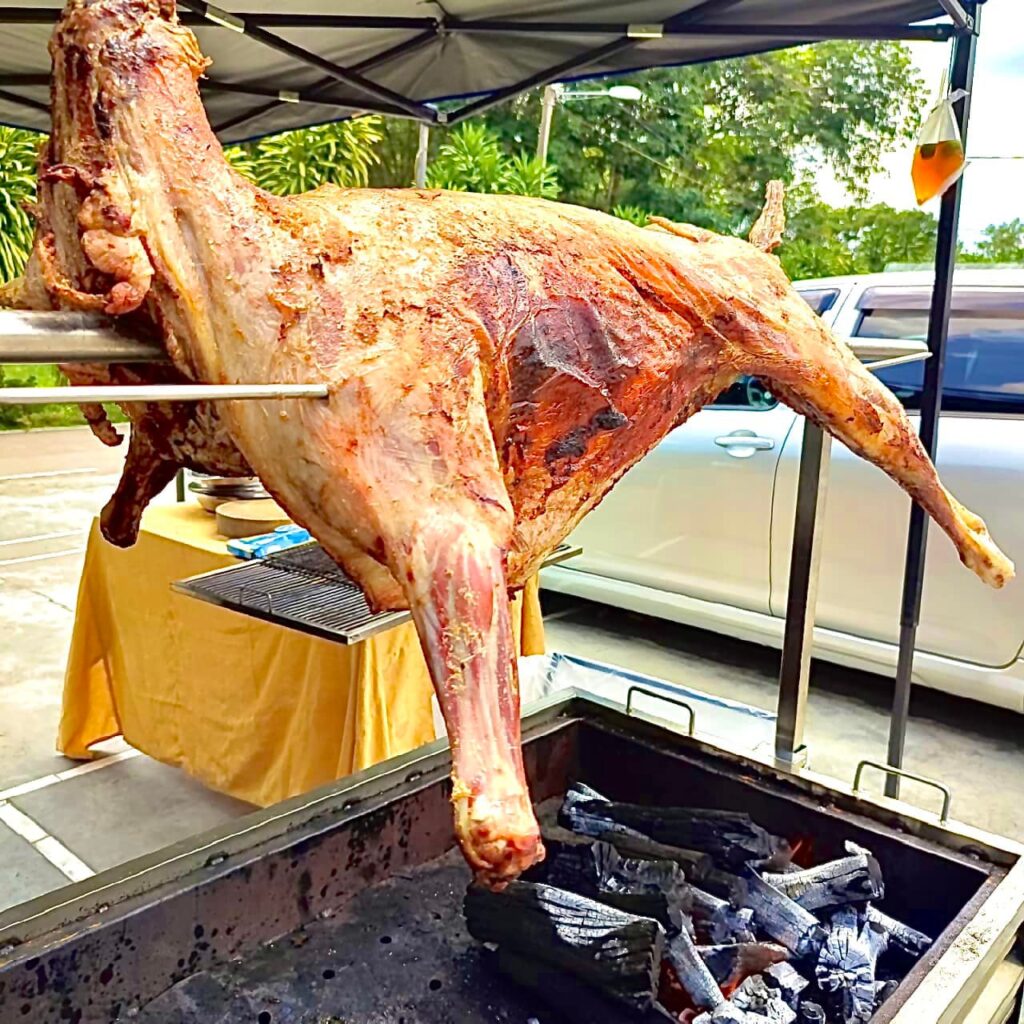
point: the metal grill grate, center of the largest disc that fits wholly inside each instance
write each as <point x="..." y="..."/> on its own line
<point x="304" y="589"/>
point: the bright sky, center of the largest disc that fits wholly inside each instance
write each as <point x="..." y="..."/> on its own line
<point x="993" y="189"/>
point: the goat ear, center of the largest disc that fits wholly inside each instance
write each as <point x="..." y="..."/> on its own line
<point x="768" y="229"/>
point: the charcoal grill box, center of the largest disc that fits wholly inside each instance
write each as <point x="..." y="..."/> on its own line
<point x="345" y="904"/>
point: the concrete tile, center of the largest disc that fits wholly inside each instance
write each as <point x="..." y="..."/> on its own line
<point x="32" y="658"/>
<point x="38" y="451"/>
<point x="24" y="873"/>
<point x="129" y="809"/>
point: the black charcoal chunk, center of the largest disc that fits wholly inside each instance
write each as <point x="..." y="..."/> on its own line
<point x="607" y="948"/>
<point x="852" y="879"/>
<point x="718" y="921"/>
<point x="812" y="1013"/>
<point x="902" y="936"/>
<point x="846" y="965"/>
<point x="646" y="888"/>
<point x="788" y="980"/>
<point x="756" y="998"/>
<point x="730" y="837"/>
<point x="692" y="973"/>
<point x="783" y="920"/>
<point x="574" y="999"/>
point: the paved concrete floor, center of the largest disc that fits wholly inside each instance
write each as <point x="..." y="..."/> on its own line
<point x="133" y="805"/>
<point x="52" y="484"/>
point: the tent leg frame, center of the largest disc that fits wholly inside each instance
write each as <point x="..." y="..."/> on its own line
<point x="961" y="77"/>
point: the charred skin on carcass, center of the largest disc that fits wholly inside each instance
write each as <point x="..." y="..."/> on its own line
<point x="495" y="364"/>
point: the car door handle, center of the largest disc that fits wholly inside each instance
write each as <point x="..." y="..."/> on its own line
<point x="749" y="440"/>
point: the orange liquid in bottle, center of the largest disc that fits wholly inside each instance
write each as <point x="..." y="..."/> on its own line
<point x="936" y="166"/>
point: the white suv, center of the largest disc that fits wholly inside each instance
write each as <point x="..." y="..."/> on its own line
<point x="700" y="531"/>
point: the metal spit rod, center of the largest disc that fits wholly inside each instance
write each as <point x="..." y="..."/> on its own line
<point x="69" y="337"/>
<point x="158" y="393"/>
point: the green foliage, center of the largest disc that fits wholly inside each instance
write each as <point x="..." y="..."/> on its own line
<point x="1000" y="243"/>
<point x="703" y="140"/>
<point x="823" y="241"/>
<point x="18" y="151"/>
<point x="294" y="162"/>
<point x="527" y="176"/>
<point x="634" y="214"/>
<point x="22" y="417"/>
<point x="472" y="159"/>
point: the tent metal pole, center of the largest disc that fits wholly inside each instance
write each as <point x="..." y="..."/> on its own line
<point x="688" y="23"/>
<point x="422" y="150"/>
<point x="24" y="101"/>
<point x="310" y="94"/>
<point x="544" y="77"/>
<point x="547" y="112"/>
<point x="345" y="75"/>
<point x="961" y="77"/>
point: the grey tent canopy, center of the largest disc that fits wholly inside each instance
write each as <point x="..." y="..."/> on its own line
<point x="286" y="65"/>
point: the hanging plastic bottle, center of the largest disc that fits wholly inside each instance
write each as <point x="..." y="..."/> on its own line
<point x="939" y="154"/>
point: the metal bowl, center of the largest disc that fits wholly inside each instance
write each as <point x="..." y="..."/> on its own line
<point x="210" y="502"/>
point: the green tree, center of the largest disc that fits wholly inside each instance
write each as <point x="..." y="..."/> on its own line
<point x="293" y="162"/>
<point x="18" y="153"/>
<point x="1000" y="243"/>
<point x="472" y="159"/>
<point x="825" y="241"/>
<point x="704" y="139"/>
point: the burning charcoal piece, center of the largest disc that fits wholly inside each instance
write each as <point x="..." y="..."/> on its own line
<point x="718" y="920"/>
<point x="727" y="886"/>
<point x="900" y="935"/>
<point x="575" y="1000"/>
<point x="695" y="864"/>
<point x="846" y="965"/>
<point x="765" y="1004"/>
<point x="729" y="836"/>
<point x="693" y="973"/>
<point x="731" y="965"/>
<point x="812" y="1013"/>
<point x="788" y="980"/>
<point x="611" y="950"/>
<point x="852" y="879"/>
<point x="726" y="1013"/>
<point x="782" y="919"/>
<point x="646" y="888"/>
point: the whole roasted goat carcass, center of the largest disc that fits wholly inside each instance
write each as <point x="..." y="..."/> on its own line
<point x="495" y="364"/>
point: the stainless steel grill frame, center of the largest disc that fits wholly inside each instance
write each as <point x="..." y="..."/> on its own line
<point x="304" y="589"/>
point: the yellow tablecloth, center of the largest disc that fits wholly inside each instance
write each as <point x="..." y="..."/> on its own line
<point x="253" y="710"/>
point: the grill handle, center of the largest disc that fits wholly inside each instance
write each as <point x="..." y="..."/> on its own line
<point x="661" y="696"/>
<point x="888" y="769"/>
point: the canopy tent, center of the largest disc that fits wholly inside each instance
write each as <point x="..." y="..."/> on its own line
<point x="322" y="60"/>
<point x="278" y="66"/>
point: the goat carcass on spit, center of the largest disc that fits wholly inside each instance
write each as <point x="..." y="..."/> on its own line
<point x="495" y="364"/>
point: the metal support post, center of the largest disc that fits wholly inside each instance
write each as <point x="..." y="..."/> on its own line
<point x="421" y="155"/>
<point x="547" y="110"/>
<point x="795" y="670"/>
<point x="961" y="77"/>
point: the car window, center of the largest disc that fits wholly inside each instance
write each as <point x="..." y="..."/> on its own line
<point x="984" y="359"/>
<point x="747" y="393"/>
<point x="751" y="393"/>
<point x="821" y="300"/>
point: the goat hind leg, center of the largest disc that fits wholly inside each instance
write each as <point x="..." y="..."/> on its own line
<point x="819" y="376"/>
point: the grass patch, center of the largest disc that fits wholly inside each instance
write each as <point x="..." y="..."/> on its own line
<point x="25" y="417"/>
